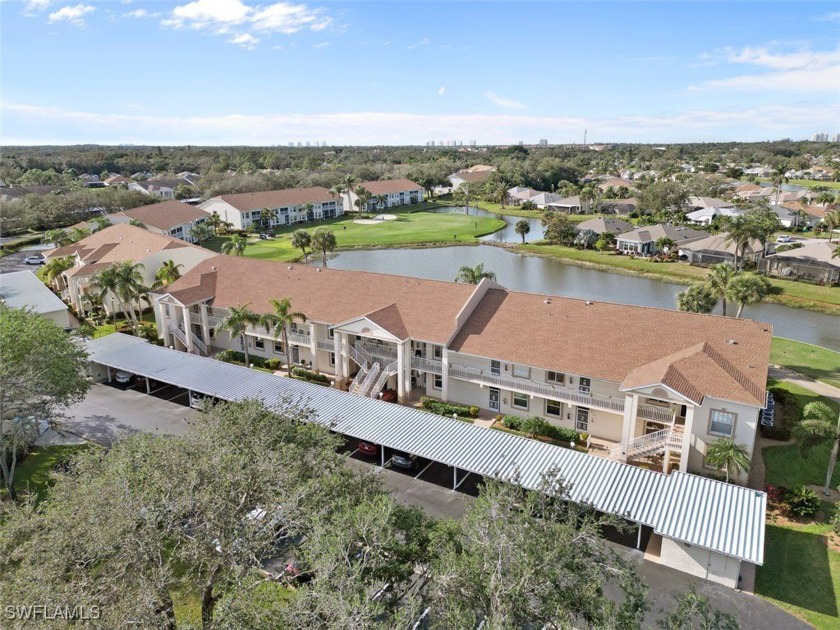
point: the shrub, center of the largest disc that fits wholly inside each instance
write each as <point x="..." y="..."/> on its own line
<point x="273" y="364"/>
<point x="389" y="395"/>
<point x="583" y="438"/>
<point x="775" y="494"/>
<point x="310" y="376"/>
<point x="835" y="519"/>
<point x="447" y="409"/>
<point x="474" y="411"/>
<point x="564" y="435"/>
<point x="775" y="432"/>
<point x="802" y="501"/>
<point x="535" y="426"/>
<point x="512" y="422"/>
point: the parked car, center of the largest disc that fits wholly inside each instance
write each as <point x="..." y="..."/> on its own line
<point x="784" y="238"/>
<point x="123" y="377"/>
<point x="366" y="448"/>
<point x="199" y="401"/>
<point x="404" y="461"/>
<point x="38" y="259"/>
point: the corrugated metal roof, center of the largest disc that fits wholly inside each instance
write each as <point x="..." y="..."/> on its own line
<point x="721" y="517"/>
<point x="22" y="289"/>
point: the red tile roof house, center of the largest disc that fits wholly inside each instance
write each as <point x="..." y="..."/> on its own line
<point x="641" y="394"/>
<point x="170" y="218"/>
<point x="121" y="243"/>
<point x="244" y="210"/>
<point x="394" y="193"/>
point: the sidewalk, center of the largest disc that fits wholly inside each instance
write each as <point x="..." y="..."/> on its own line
<point x="795" y="378"/>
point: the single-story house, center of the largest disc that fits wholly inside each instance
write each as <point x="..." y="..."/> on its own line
<point x="715" y="249"/>
<point x="642" y="241"/>
<point x="813" y="261"/>
<point x="602" y="225"/>
<point x="695" y="203"/>
<point x="23" y="289"/>
<point x="164" y="190"/>
<point x="618" y="206"/>
<point x="787" y="217"/>
<point x="518" y="194"/>
<point x="171" y="218"/>
<point x="615" y="183"/>
<point x="705" y="216"/>
<point x="570" y="205"/>
<point x="395" y="192"/>
<point x="477" y="174"/>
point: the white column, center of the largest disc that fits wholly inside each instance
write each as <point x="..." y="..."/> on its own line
<point x="205" y="326"/>
<point x="444" y="389"/>
<point x="313" y="346"/>
<point x="339" y="364"/>
<point x="401" y="371"/>
<point x="688" y="432"/>
<point x="628" y="429"/>
<point x="162" y="324"/>
<point x="185" y="314"/>
<point x="345" y="355"/>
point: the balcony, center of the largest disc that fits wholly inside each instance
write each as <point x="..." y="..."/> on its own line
<point x="303" y="339"/>
<point x="554" y="392"/>
<point x="378" y="349"/>
<point x="665" y="415"/>
<point x="325" y="343"/>
<point x="427" y="365"/>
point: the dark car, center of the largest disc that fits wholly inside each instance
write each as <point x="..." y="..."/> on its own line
<point x="402" y="460"/>
<point x="366" y="448"/>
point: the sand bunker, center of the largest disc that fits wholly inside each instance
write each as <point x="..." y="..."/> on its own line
<point x="379" y="218"/>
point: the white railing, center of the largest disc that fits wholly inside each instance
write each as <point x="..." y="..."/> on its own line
<point x="300" y="338"/>
<point x="179" y="334"/>
<point x="198" y="343"/>
<point x="357" y="381"/>
<point x="378" y="349"/>
<point x="325" y="343"/>
<point x="649" y="443"/>
<point x="659" y="414"/>
<point x="427" y="365"/>
<point x="370" y="377"/>
<point x="554" y="392"/>
<point x="388" y="371"/>
<point x="359" y="358"/>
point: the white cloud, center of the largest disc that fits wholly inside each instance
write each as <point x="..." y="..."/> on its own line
<point x="246" y="40"/>
<point x="74" y="15"/>
<point x="321" y="45"/>
<point x="367" y="128"/>
<point x="140" y="13"/>
<point x="441" y="90"/>
<point x="36" y="6"/>
<point x="830" y="17"/>
<point x="423" y="42"/>
<point x="801" y="71"/>
<point x="507" y="103"/>
<point x="222" y="16"/>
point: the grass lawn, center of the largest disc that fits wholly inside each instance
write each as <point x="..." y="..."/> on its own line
<point x="33" y="473"/>
<point x="818" y="363"/>
<point x="801" y="573"/>
<point x="787" y="292"/>
<point x="409" y="228"/>
<point x="107" y="326"/>
<point x="810" y="183"/>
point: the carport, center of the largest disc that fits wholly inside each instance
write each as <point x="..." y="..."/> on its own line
<point x="688" y="509"/>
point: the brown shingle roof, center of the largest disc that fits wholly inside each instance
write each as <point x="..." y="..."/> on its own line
<point x="118" y="243"/>
<point x="423" y="309"/>
<point x="477" y="177"/>
<point x="610" y="341"/>
<point x="278" y="198"/>
<point x="387" y="186"/>
<point x="166" y="215"/>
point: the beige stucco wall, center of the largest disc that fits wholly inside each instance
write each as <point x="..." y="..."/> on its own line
<point x="746" y="424"/>
<point x="703" y="563"/>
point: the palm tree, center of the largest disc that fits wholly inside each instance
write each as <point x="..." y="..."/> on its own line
<point x="53" y="269"/>
<point x="523" y="226"/>
<point x="301" y="240"/>
<point x="463" y="194"/>
<point x="381" y="202"/>
<point x="104" y="285"/>
<point x="498" y="192"/>
<point x="747" y="288"/>
<point x="235" y="246"/>
<point x="236" y="324"/>
<point x="664" y="244"/>
<point x="130" y="288"/>
<point x="696" y="299"/>
<point x="726" y="454"/>
<point x="473" y="275"/>
<point x="832" y="221"/>
<point x="76" y="234"/>
<point x="168" y="273"/>
<point x="281" y="320"/>
<point x="818" y="425"/>
<point x="720" y="275"/>
<point x="309" y="210"/>
<point x="100" y="223"/>
<point x="215" y="222"/>
<point x="739" y="231"/>
<point x="346" y="186"/>
<point x="587" y="196"/>
<point x="363" y="197"/>
<point x="267" y="216"/>
<point x="140" y="224"/>
<point x="59" y="238"/>
<point x="201" y="232"/>
<point x="323" y="239"/>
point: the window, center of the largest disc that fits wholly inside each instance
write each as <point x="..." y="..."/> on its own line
<point x="721" y="422"/>
<point x="332" y="358"/>
<point x="552" y="408"/>
<point x="259" y="344"/>
<point x="554" y="377"/>
<point x="521" y="371"/>
<point x="582" y="420"/>
<point x="438" y="352"/>
<point x="331" y="333"/>
<point x="585" y="385"/>
<point x="438" y="384"/>
<point x="520" y="401"/>
<point x="495" y="367"/>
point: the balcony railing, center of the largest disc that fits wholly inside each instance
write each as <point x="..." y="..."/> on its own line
<point x="325" y="343"/>
<point x="554" y="392"/>
<point x="300" y="338"/>
<point x="427" y="365"/>
<point x="658" y="414"/>
<point x="650" y="444"/>
<point x="378" y="349"/>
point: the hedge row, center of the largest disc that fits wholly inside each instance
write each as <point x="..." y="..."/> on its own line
<point x="310" y="376"/>
<point x="537" y="427"/>
<point x="447" y="409"/>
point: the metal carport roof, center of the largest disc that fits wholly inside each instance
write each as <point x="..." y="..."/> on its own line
<point x="721" y="517"/>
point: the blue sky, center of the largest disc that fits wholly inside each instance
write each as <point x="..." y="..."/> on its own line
<point x="261" y="73"/>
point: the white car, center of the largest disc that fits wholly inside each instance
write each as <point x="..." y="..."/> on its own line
<point x="123" y="377"/>
<point x="784" y="238"/>
<point x="34" y="260"/>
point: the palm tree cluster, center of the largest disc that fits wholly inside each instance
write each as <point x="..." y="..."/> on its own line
<point x="122" y="281"/>
<point x="758" y="224"/>
<point x="323" y="239"/>
<point x="726" y="284"/>
<point x="473" y="275"/>
<point x="235" y="246"/>
<point x="817" y="426"/>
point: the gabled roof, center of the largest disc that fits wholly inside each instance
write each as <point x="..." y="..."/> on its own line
<point x="812" y="252"/>
<point x="604" y="224"/>
<point x="478" y="176"/>
<point x="652" y="233"/>
<point x="388" y="186"/>
<point x="389" y="318"/>
<point x="245" y="202"/>
<point x="166" y="215"/>
<point x="717" y="243"/>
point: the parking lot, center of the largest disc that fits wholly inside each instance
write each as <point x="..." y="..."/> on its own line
<point x="14" y="261"/>
<point x="169" y="393"/>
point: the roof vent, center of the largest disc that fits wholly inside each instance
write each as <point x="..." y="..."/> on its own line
<point x="290" y="267"/>
<point x="546" y="301"/>
<point x="732" y="342"/>
<point x="213" y="268"/>
<point x="318" y="270"/>
<point x="588" y="303"/>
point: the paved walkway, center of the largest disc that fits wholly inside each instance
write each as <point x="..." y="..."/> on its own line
<point x="818" y="387"/>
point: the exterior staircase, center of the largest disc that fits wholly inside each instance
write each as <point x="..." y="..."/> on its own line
<point x="650" y="444"/>
<point x="198" y="346"/>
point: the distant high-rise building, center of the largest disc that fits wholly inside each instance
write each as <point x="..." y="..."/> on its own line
<point x="835" y="137"/>
<point x="543" y="143"/>
<point x="521" y="143"/>
<point x="819" y="137"/>
<point x="472" y="143"/>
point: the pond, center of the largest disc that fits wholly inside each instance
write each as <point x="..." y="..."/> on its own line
<point x="508" y="233"/>
<point x="538" y="274"/>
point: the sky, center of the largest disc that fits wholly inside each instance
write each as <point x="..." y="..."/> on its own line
<point x="249" y="72"/>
